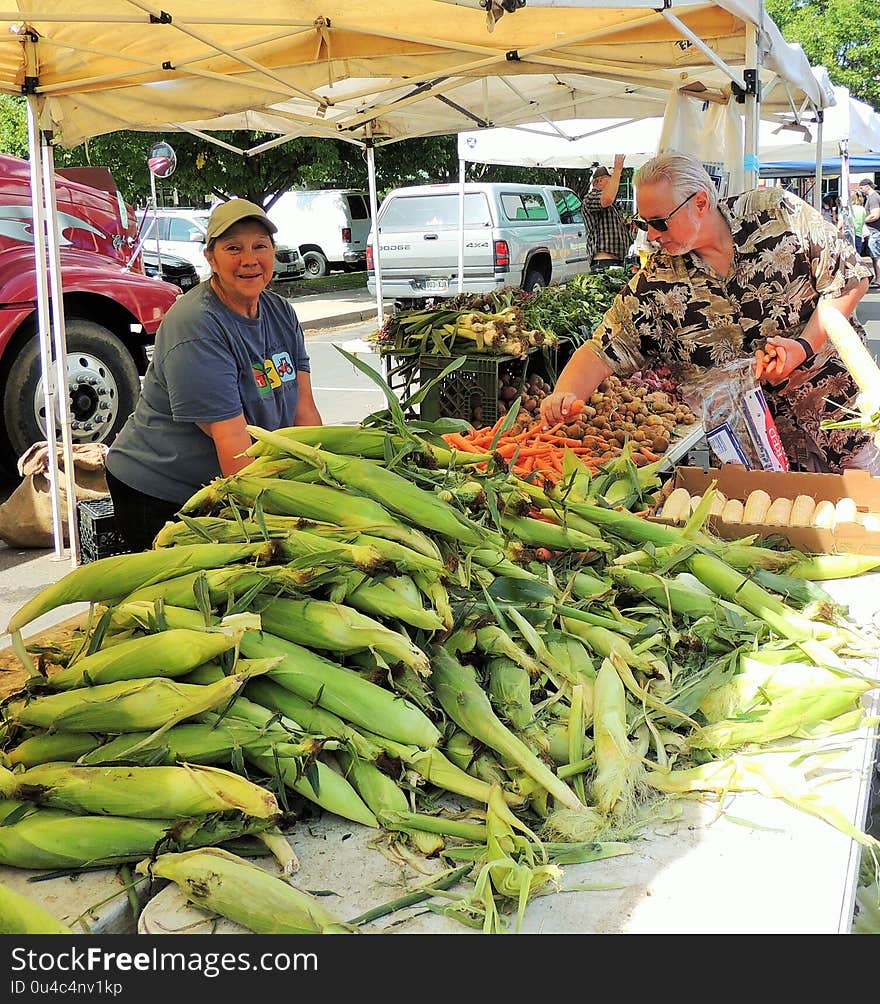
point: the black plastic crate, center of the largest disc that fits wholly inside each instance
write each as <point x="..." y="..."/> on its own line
<point x="98" y="534"/>
<point x="471" y="391"/>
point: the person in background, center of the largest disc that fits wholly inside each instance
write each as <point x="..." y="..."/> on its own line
<point x="872" y="226"/>
<point x="857" y="208"/>
<point x="229" y="353"/>
<point x="610" y="233"/>
<point x="734" y="277"/>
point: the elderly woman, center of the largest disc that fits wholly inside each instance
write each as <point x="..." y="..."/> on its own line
<point x="229" y="353"/>
<point x="732" y="278"/>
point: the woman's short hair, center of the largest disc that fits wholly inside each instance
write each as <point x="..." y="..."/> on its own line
<point x="683" y="173"/>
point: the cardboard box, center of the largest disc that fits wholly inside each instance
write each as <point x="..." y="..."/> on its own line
<point x="736" y="483"/>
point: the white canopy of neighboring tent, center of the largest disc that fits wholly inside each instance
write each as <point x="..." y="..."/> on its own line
<point x="362" y="71"/>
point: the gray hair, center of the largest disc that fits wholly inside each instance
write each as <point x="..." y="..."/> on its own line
<point x="684" y="174"/>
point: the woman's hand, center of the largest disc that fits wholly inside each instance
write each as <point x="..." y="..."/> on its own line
<point x="556" y="406"/>
<point x="775" y="362"/>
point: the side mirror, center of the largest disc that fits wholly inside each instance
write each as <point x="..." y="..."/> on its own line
<point x="197" y="236"/>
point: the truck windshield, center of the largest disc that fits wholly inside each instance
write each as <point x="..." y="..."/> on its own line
<point x="416" y="212"/>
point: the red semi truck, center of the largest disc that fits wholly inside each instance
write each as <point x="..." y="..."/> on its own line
<point x="111" y="308"/>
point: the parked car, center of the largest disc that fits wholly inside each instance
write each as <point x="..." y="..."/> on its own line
<point x="182" y="234"/>
<point x="328" y="226"/>
<point x="111" y="308"/>
<point x="514" y="235"/>
<point x="174" y="269"/>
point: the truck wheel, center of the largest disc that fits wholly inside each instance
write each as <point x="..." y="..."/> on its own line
<point x="316" y="264"/>
<point x="103" y="383"/>
<point x="534" y="280"/>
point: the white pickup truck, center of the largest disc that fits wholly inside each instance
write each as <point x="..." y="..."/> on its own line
<point x="514" y="235"/>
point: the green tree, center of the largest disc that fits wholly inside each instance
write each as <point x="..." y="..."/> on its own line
<point x="841" y="35"/>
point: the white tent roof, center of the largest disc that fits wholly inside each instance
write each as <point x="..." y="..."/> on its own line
<point x="355" y="68"/>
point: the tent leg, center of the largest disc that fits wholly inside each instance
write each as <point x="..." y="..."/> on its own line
<point x="60" y="336"/>
<point x="43" y="327"/>
<point x="817" y="190"/>
<point x="751" y="163"/>
<point x="374" y="212"/>
<point x="461" y="176"/>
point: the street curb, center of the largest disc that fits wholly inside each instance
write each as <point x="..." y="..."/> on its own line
<point x="335" y="320"/>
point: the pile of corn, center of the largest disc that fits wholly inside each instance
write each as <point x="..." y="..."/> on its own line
<point x="356" y="616"/>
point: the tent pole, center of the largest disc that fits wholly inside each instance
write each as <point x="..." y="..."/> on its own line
<point x="817" y="190"/>
<point x="60" y="336"/>
<point x="751" y="162"/>
<point x="374" y="212"/>
<point x="36" y="166"/>
<point x="461" y="173"/>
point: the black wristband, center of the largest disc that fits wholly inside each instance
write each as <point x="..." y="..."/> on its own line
<point x="805" y="345"/>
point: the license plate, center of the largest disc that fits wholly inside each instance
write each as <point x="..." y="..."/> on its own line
<point x="436" y="284"/>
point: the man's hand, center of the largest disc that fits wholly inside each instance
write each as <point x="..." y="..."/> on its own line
<point x="778" y="358"/>
<point x="556" y="406"/>
<point x="618" y="162"/>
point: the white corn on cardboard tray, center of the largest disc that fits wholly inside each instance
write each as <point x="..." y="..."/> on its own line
<point x="737" y="483"/>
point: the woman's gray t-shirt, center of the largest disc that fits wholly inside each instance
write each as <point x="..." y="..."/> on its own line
<point x="209" y="364"/>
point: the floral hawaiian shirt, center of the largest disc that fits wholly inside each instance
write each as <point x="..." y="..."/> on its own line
<point x="678" y="309"/>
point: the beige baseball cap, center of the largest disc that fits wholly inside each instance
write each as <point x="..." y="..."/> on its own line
<point x="234" y="211"/>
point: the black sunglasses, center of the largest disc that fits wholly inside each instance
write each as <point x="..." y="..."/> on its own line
<point x="662" y="223"/>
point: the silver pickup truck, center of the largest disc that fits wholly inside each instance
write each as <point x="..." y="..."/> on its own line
<point x="514" y="235"/>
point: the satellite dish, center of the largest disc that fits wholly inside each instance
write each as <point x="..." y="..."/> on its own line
<point x="162" y="160"/>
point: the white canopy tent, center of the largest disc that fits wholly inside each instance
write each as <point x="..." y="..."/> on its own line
<point x="367" y="73"/>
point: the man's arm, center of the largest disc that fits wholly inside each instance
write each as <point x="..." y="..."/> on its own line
<point x="581" y="375"/>
<point x="609" y="192"/>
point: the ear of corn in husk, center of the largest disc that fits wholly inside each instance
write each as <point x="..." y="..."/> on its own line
<point x="21" y="915"/>
<point x="244" y="892"/>
<point x="144" y="792"/>
<point x="168" y="654"/>
<point x="112" y="578"/>
<point x="35" y="837"/>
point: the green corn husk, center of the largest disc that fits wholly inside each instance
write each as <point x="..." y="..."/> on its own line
<point x="111" y="578"/>
<point x="243" y="892"/>
<point x="191" y="742"/>
<point x="126" y="706"/>
<point x="169" y="653"/>
<point x="311" y="718"/>
<point x="144" y="792"/>
<point x="384" y="797"/>
<point x="322" y="503"/>
<point x="20" y="915"/>
<point x="397" y="493"/>
<point x="344" y="440"/>
<point x="44" y="747"/>
<point x="539" y="533"/>
<point x="384" y="598"/>
<point x="341" y="691"/>
<point x="220" y="584"/>
<point x="464" y="700"/>
<point x="335" y="627"/>
<point x="619" y="774"/>
<point x="509" y="690"/>
<point x="33" y="837"/>
<point x="833" y="566"/>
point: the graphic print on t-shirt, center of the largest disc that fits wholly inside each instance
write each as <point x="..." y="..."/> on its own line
<point x="273" y="372"/>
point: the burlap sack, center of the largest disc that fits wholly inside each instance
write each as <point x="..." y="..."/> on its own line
<point x="26" y="516"/>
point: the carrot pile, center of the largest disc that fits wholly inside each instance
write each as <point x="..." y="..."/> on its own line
<point x="536" y="450"/>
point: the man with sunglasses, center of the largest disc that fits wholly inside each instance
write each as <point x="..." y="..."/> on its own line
<point x="734" y="277"/>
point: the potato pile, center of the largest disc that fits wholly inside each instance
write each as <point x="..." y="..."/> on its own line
<point x="619" y="409"/>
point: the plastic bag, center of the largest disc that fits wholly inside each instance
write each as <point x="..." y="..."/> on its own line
<point x="735" y="414"/>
